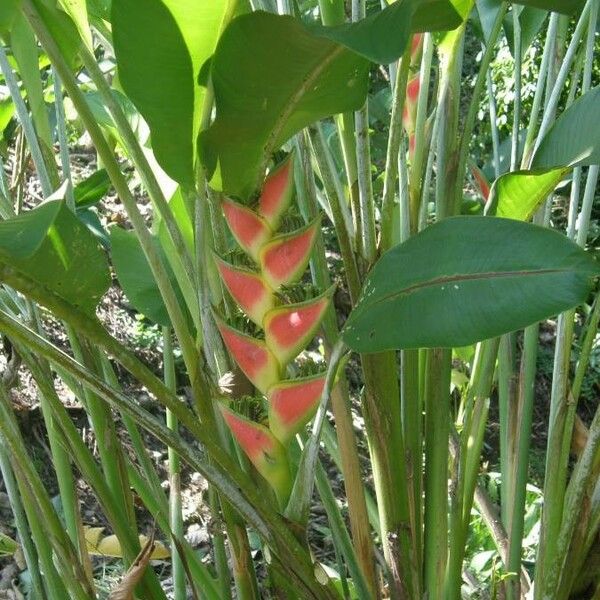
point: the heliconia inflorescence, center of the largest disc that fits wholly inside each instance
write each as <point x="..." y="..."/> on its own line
<point x="409" y="116"/>
<point x="281" y="260"/>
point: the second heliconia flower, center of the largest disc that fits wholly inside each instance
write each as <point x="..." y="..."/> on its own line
<point x="281" y="259"/>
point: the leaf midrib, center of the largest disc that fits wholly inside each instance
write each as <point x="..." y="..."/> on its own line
<point x="294" y="99"/>
<point x="465" y="277"/>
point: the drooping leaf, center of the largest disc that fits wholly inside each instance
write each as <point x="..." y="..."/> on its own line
<point x="162" y="47"/>
<point x="518" y="195"/>
<point x="467" y="279"/>
<point x="135" y="276"/>
<point x="530" y="20"/>
<point x="52" y="247"/>
<point x="574" y="139"/>
<point x="92" y="189"/>
<point x="62" y="28"/>
<point x="25" y="51"/>
<point x="288" y="79"/>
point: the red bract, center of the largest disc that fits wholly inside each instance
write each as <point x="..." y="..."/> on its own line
<point x="281" y="260"/>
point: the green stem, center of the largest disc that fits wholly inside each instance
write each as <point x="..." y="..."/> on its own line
<point x="468" y="459"/>
<point x="26" y="124"/>
<point x="32" y="487"/>
<point x="437" y="421"/>
<point x="543" y="77"/>
<point x="61" y="127"/>
<point x="381" y="411"/>
<point x="421" y="135"/>
<point x="469" y="123"/>
<point x="340" y="400"/>
<point x="393" y="148"/>
<point x="518" y="59"/>
<point x="175" y="515"/>
<point x="23" y="529"/>
<point x="363" y="162"/>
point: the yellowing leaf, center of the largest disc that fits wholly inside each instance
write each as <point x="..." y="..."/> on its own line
<point x="109" y="545"/>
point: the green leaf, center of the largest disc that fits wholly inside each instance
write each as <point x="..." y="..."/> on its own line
<point x="566" y="7"/>
<point x="531" y="20"/>
<point x="162" y="48"/>
<point x="518" y="195"/>
<point x="62" y="28"/>
<point x="574" y="139"/>
<point x="135" y="276"/>
<point x="7" y="110"/>
<point x="435" y="15"/>
<point x="92" y="189"/>
<point x="466" y="279"/>
<point x="272" y="77"/>
<point x="8" y="12"/>
<point x="25" y="51"/>
<point x="51" y="246"/>
<point x="77" y="10"/>
<point x="393" y="27"/>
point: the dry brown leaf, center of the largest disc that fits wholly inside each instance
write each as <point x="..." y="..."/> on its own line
<point x="125" y="589"/>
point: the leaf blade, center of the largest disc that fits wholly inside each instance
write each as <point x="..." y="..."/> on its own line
<point x="435" y="290"/>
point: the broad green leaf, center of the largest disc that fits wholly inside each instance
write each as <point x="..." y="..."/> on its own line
<point x="518" y="195"/>
<point x="574" y="139"/>
<point x="162" y="48"/>
<point x="382" y="36"/>
<point x="92" y="189"/>
<point x="8" y="12"/>
<point x="135" y="276"/>
<point x="566" y="7"/>
<point x="467" y="279"/>
<point x="62" y="28"/>
<point x="52" y="247"/>
<point x="272" y="77"/>
<point x="435" y="15"/>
